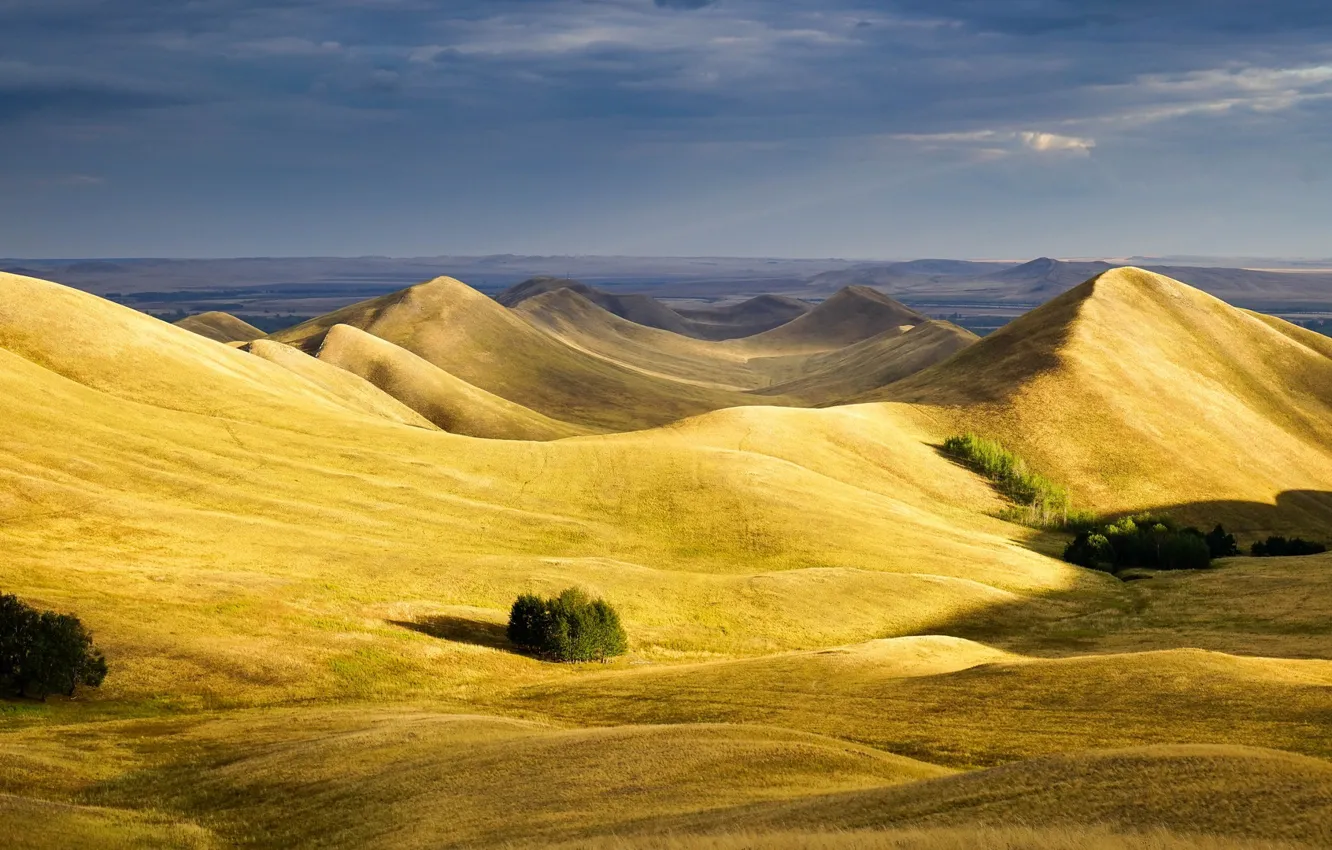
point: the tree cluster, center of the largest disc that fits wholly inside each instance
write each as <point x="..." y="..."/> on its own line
<point x="1145" y="540"/>
<point x="1277" y="547"/>
<point x="568" y="627"/>
<point x="1037" y="501"/>
<point x="42" y="652"/>
<point x="1041" y="502"/>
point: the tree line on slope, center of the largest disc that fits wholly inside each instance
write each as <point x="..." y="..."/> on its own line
<point x="1038" y="501"/>
<point x="1151" y="541"/>
<point x="42" y="652"/>
<point x="1278" y="547"/>
<point x="1157" y="542"/>
<point x="1143" y="540"/>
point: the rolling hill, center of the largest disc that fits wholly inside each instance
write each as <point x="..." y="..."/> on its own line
<point x="451" y="404"/>
<point x="586" y="327"/>
<point x="732" y="321"/>
<point x="752" y="316"/>
<point x="1139" y="391"/>
<point x="481" y="342"/>
<point x="872" y="363"/>
<point x="302" y="585"/>
<point x="1043" y="278"/>
<point x="221" y="327"/>
<point x="351" y="388"/>
<point x="640" y="309"/>
<point x="853" y="314"/>
<point x="569" y="360"/>
<point x="1231" y="792"/>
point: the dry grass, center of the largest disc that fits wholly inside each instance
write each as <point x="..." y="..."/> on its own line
<point x="489" y="347"/>
<point x="220" y="327"/>
<point x="1139" y="391"/>
<point x="355" y="391"/>
<point x="296" y="589"/>
<point x="35" y="824"/>
<point x="1221" y="790"/>
<point x="367" y="777"/>
<point x="853" y="314"/>
<point x="1068" y="838"/>
<point x="979" y="709"/>
<point x="451" y="404"/>
<point x="872" y="363"/>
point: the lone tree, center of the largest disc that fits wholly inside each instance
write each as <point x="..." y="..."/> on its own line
<point x="568" y="627"/>
<point x="1220" y="544"/>
<point x="42" y="652"/>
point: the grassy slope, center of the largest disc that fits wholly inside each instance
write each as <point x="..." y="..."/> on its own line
<point x="583" y="325"/>
<point x="264" y="543"/>
<point x="274" y="526"/>
<point x="1285" y="796"/>
<point x="1138" y="391"/>
<point x="747" y="318"/>
<point x="484" y="344"/>
<point x="445" y="780"/>
<point x="352" y="389"/>
<point x="795" y="367"/>
<point x="872" y="363"/>
<point x="220" y="327"/>
<point x="989" y="713"/>
<point x="853" y="314"/>
<point x="446" y="401"/>
<point x="957" y="838"/>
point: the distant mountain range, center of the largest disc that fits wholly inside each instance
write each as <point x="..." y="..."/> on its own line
<point x="1030" y="283"/>
<point x="312" y="286"/>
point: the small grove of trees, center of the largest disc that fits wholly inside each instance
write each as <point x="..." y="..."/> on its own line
<point x="42" y="652"/>
<point x="568" y="627"/>
<point x="1146" y="540"/>
<point x="1039" y="501"/>
<point x="1276" y="547"/>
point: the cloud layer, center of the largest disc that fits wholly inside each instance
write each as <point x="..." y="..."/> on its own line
<point x="663" y="126"/>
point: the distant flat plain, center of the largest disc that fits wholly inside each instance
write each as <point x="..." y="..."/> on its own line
<point x="980" y="295"/>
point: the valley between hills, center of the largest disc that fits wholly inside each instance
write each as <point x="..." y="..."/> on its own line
<point x="298" y="552"/>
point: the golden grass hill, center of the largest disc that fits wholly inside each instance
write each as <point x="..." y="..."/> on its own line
<point x="298" y="553"/>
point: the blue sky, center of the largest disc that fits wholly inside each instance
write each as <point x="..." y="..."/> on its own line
<point x="966" y="128"/>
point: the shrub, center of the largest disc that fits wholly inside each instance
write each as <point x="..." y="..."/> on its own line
<point x="568" y="627"/>
<point x="1042" y="502"/>
<point x="42" y="652"/>
<point x="1277" y="547"/>
<point x="1220" y="544"/>
<point x="1144" y="540"/>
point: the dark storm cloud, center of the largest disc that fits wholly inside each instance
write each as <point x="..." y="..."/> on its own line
<point x="524" y="87"/>
<point x="22" y="101"/>
<point x="1186" y="19"/>
<point x="863" y="67"/>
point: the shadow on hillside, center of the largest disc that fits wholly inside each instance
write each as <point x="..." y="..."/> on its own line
<point x="1080" y="621"/>
<point x="461" y="630"/>
<point x="1304" y="513"/>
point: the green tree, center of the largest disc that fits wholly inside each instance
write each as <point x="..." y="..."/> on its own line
<point x="1220" y="544"/>
<point x="568" y="627"/>
<point x="42" y="652"/>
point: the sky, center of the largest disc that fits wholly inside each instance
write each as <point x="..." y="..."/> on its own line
<point x="838" y="128"/>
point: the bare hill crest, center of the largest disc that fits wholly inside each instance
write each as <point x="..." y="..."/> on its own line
<point x="221" y="327"/>
<point x="1139" y="390"/>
